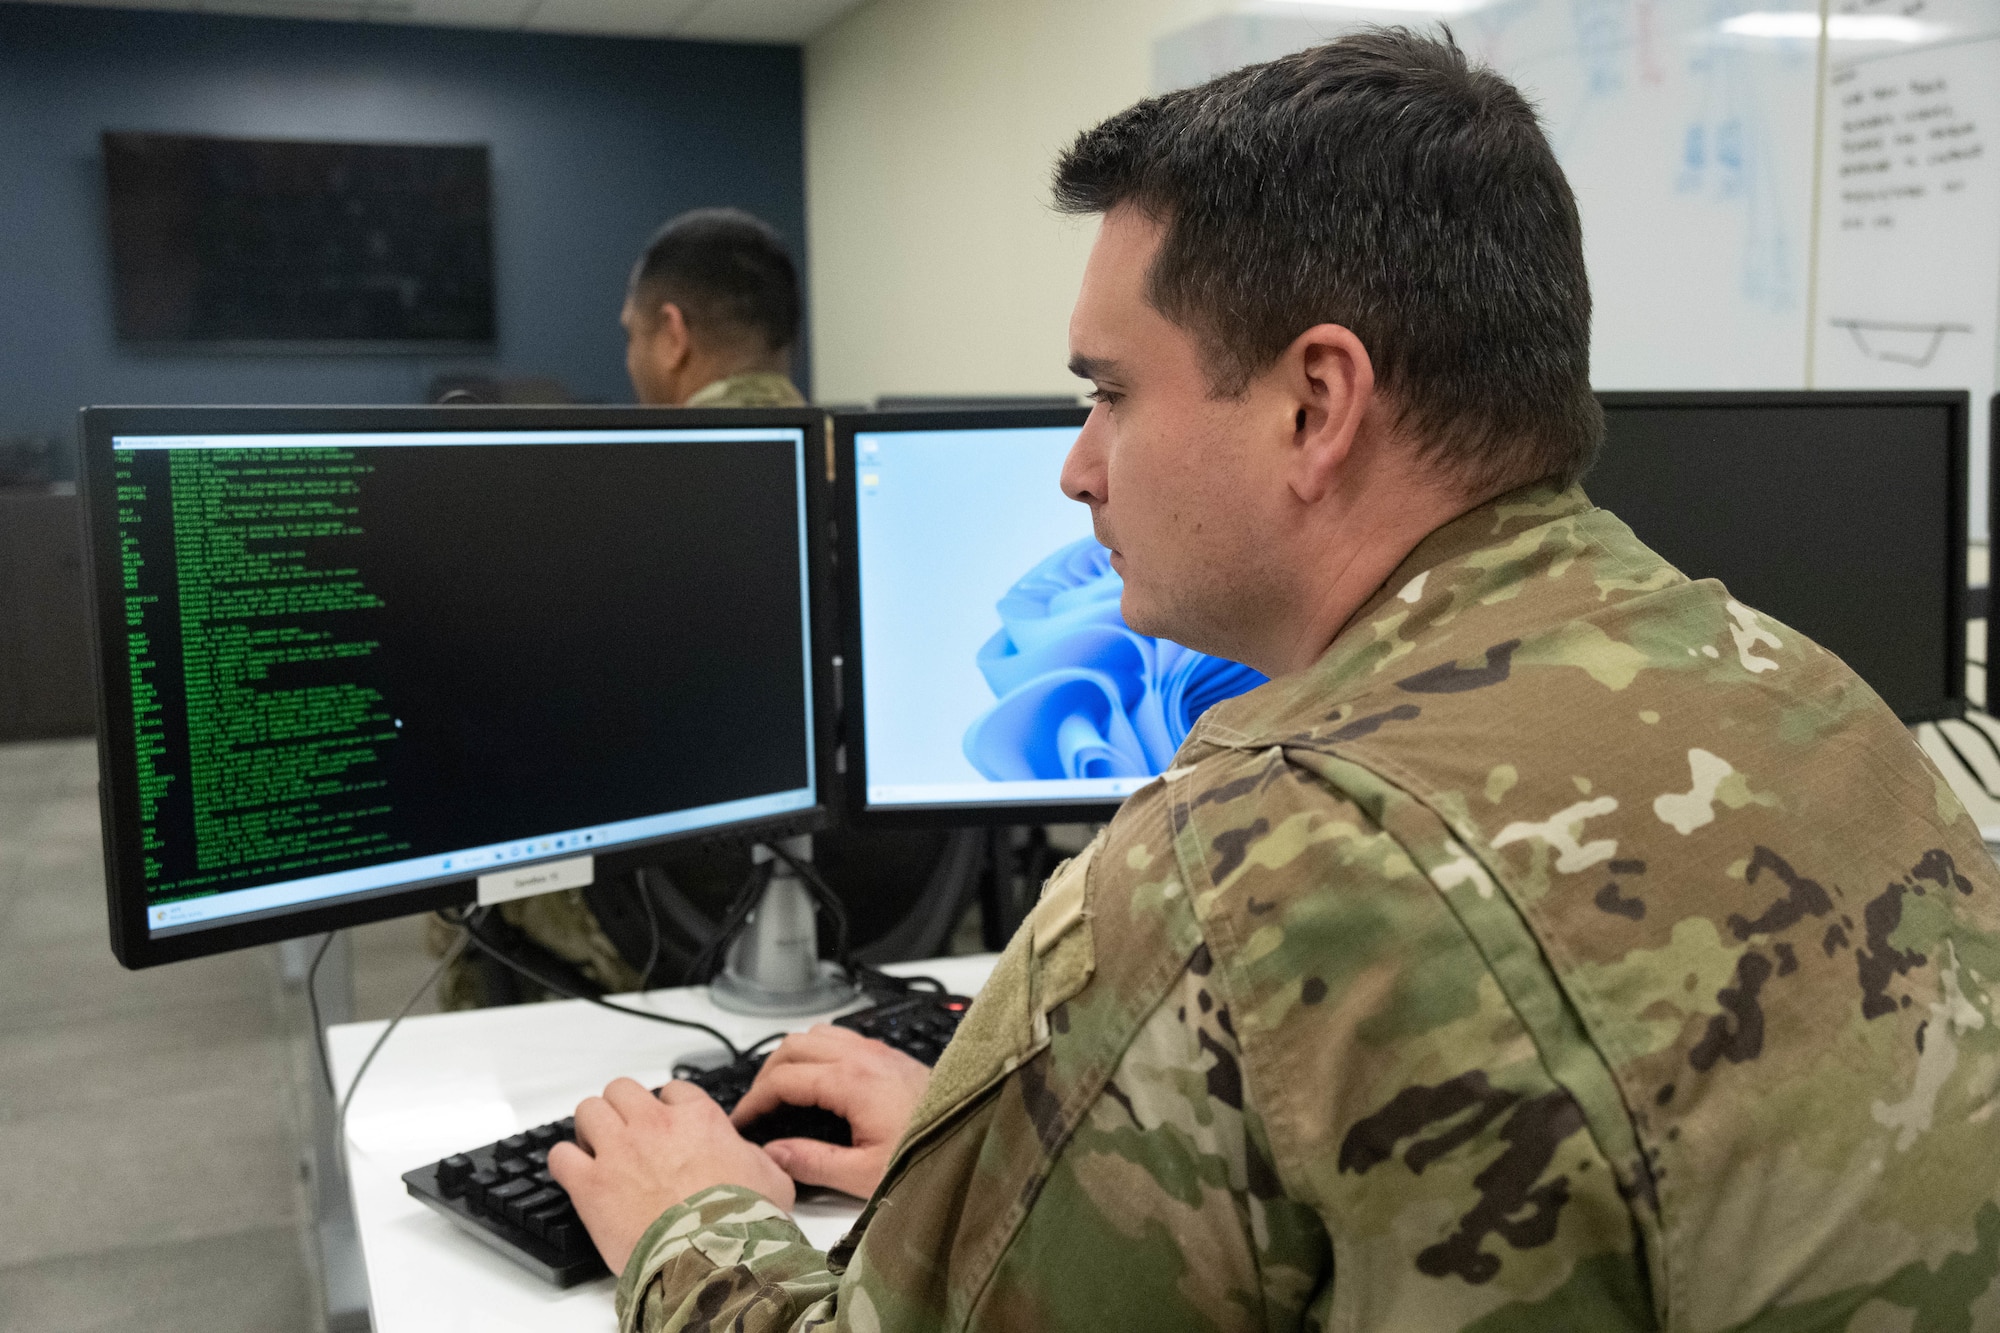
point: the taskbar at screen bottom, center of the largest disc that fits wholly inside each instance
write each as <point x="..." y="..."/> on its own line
<point x="1051" y="792"/>
<point x="239" y="905"/>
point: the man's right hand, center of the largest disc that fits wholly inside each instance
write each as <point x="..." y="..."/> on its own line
<point x="873" y="1086"/>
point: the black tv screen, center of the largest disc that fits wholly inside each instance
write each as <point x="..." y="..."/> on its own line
<point x="269" y="244"/>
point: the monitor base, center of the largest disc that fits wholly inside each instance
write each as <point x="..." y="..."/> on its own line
<point x="739" y="995"/>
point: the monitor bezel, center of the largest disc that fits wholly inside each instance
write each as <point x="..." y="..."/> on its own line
<point x="856" y="810"/>
<point x="1958" y="405"/>
<point x="1981" y="607"/>
<point x="131" y="942"/>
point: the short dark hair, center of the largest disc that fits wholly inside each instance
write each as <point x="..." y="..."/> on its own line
<point x="729" y="274"/>
<point x="1382" y="183"/>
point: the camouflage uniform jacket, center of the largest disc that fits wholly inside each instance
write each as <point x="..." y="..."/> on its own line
<point x="1572" y="947"/>
<point x="753" y="389"/>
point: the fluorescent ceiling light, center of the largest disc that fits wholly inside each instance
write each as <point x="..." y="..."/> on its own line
<point x="1333" y="8"/>
<point x="1804" y="25"/>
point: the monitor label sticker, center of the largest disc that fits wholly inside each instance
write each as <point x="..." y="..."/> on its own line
<point x="504" y="886"/>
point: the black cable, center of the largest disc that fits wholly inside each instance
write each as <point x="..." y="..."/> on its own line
<point x="706" y="963"/>
<point x="827" y="899"/>
<point x="312" y="1004"/>
<point x="1981" y="732"/>
<point x="1969" y="768"/>
<point x="457" y="948"/>
<point x="872" y="978"/>
<point x="472" y="933"/>
<point x="652" y="924"/>
<point x="753" y="1049"/>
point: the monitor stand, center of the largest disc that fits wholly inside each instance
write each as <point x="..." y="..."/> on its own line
<point x="774" y="968"/>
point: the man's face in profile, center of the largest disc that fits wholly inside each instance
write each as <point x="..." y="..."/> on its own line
<point x="1172" y="473"/>
<point x="643" y="361"/>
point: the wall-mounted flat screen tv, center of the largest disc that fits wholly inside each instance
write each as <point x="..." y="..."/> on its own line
<point x="279" y="245"/>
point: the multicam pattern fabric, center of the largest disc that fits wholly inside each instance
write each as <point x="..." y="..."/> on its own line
<point x="1572" y="947"/>
<point x="560" y="922"/>
<point x="755" y="389"/>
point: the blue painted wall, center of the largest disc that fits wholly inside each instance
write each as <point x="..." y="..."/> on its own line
<point x="594" y="142"/>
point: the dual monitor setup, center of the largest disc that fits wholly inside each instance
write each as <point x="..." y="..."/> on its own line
<point x="357" y="663"/>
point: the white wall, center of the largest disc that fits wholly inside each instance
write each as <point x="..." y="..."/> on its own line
<point x="938" y="267"/>
<point x="931" y="126"/>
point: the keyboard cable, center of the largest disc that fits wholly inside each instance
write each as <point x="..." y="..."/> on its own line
<point x="468" y="934"/>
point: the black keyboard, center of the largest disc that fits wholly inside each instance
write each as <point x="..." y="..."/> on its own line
<point x="503" y="1193"/>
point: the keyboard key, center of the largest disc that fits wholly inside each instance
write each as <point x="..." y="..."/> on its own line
<point x="518" y="1209"/>
<point x="516" y="1166"/>
<point x="544" y="1136"/>
<point x="478" y="1183"/>
<point x="500" y="1196"/>
<point x="556" y="1215"/>
<point x="452" y="1173"/>
<point x="513" y="1145"/>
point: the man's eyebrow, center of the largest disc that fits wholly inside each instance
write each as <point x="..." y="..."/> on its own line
<point x="1093" y="367"/>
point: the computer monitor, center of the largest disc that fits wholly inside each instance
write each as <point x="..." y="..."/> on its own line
<point x="352" y="660"/>
<point x="1980" y="604"/>
<point x="988" y="674"/>
<point x="1842" y="514"/>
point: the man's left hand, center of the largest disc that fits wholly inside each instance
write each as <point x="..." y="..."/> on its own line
<point x="637" y="1155"/>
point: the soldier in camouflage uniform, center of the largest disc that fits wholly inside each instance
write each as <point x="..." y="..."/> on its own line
<point x="710" y="317"/>
<point x="1563" y="945"/>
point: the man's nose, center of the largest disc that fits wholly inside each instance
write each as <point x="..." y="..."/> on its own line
<point x="1083" y="470"/>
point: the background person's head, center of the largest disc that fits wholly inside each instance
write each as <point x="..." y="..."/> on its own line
<point x="1336" y="300"/>
<point x="714" y="295"/>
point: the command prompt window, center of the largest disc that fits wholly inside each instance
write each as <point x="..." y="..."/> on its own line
<point x="358" y="662"/>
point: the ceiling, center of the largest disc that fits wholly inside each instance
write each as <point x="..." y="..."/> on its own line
<point x="693" y="20"/>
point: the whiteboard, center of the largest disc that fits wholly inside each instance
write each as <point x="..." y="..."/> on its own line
<point x="1719" y="160"/>
<point x="1909" y="264"/>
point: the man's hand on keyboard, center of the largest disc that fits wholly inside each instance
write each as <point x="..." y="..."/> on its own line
<point x="636" y="1155"/>
<point x="873" y="1086"/>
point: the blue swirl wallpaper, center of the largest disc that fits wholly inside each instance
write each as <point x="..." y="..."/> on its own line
<point x="1079" y="694"/>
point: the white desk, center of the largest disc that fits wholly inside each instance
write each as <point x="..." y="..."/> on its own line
<point x="447" y="1082"/>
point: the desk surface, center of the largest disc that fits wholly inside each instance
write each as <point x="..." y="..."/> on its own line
<point x="446" y="1082"/>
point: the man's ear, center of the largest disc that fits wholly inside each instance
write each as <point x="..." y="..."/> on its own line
<point x="672" y="344"/>
<point x="1333" y="384"/>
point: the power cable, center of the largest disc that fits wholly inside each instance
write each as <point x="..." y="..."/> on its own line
<point x="457" y="947"/>
<point x="1982" y="730"/>
<point x="312" y="1004"/>
<point x="828" y="900"/>
<point x="652" y="926"/>
<point x="1970" y="767"/>
<point x="706" y="963"/>
<point x="471" y="928"/>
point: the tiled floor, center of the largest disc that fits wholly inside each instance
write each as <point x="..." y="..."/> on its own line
<point x="152" y="1123"/>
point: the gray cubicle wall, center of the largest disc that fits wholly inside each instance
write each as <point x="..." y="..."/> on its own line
<point x="45" y="683"/>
